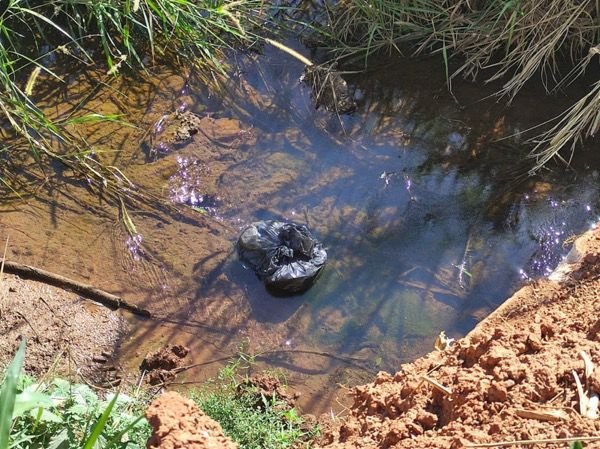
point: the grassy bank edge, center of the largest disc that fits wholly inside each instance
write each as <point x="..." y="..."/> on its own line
<point x="56" y="413"/>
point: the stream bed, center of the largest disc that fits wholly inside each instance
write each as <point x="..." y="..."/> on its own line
<point x="420" y="197"/>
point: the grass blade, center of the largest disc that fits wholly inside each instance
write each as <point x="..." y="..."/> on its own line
<point x="8" y="395"/>
<point x="100" y="424"/>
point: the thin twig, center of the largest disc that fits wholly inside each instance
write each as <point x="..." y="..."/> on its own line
<point x="3" y="259"/>
<point x="349" y="360"/>
<point x="290" y="52"/>
<point x="1" y="276"/>
<point x="28" y="323"/>
<point x="437" y="385"/>
<point x="53" y="313"/>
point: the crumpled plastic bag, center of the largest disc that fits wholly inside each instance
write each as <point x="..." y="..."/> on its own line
<point x="285" y="256"/>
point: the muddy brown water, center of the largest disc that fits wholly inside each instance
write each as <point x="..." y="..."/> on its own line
<point x="427" y="217"/>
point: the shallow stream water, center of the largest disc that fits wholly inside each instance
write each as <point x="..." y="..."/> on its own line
<point x="429" y="219"/>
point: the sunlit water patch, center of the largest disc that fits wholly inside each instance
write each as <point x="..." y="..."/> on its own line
<point x="186" y="187"/>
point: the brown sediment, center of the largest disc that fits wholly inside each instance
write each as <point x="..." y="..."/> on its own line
<point x="161" y="367"/>
<point x="85" y="290"/>
<point x="64" y="332"/>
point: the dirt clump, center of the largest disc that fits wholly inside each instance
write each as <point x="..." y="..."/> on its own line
<point x="161" y="366"/>
<point x="63" y="330"/>
<point x="178" y="423"/>
<point x="175" y="130"/>
<point x="512" y="378"/>
<point x="265" y="388"/>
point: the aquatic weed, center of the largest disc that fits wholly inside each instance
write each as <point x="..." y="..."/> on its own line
<point x="36" y="36"/>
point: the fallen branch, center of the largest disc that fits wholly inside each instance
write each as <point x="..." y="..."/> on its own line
<point x="540" y="441"/>
<point x="106" y="299"/>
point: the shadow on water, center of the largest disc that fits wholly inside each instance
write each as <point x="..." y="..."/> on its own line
<point x="426" y="217"/>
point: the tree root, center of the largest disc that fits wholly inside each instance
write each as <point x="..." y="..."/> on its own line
<point x="353" y="361"/>
<point x="106" y="299"/>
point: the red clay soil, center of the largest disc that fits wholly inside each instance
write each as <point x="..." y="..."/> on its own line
<point x="161" y="366"/>
<point x="267" y="388"/>
<point x="178" y="423"/>
<point x="512" y="378"/>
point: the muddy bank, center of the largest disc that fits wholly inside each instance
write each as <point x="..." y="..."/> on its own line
<point x="511" y="378"/>
<point x="66" y="334"/>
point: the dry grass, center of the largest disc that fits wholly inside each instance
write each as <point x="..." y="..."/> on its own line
<point x="513" y="41"/>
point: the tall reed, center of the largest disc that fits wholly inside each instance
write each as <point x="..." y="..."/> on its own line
<point x="35" y="35"/>
<point x="512" y="41"/>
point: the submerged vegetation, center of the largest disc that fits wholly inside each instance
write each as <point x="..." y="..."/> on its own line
<point x="37" y="37"/>
<point x="511" y="42"/>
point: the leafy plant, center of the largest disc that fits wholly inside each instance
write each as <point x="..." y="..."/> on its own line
<point x="76" y="418"/>
<point x="271" y="424"/>
<point x="8" y="395"/>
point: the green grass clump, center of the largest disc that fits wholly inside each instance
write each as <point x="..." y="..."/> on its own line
<point x="268" y="424"/>
<point x="64" y="415"/>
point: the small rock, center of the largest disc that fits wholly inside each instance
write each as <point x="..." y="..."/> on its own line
<point x="496" y="354"/>
<point x="426" y="419"/>
<point x="497" y="392"/>
<point x="534" y="343"/>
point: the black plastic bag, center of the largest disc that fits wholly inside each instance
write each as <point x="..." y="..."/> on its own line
<point x="284" y="255"/>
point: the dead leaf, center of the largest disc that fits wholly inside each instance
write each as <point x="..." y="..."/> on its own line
<point x="542" y="415"/>
<point x="442" y="342"/>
